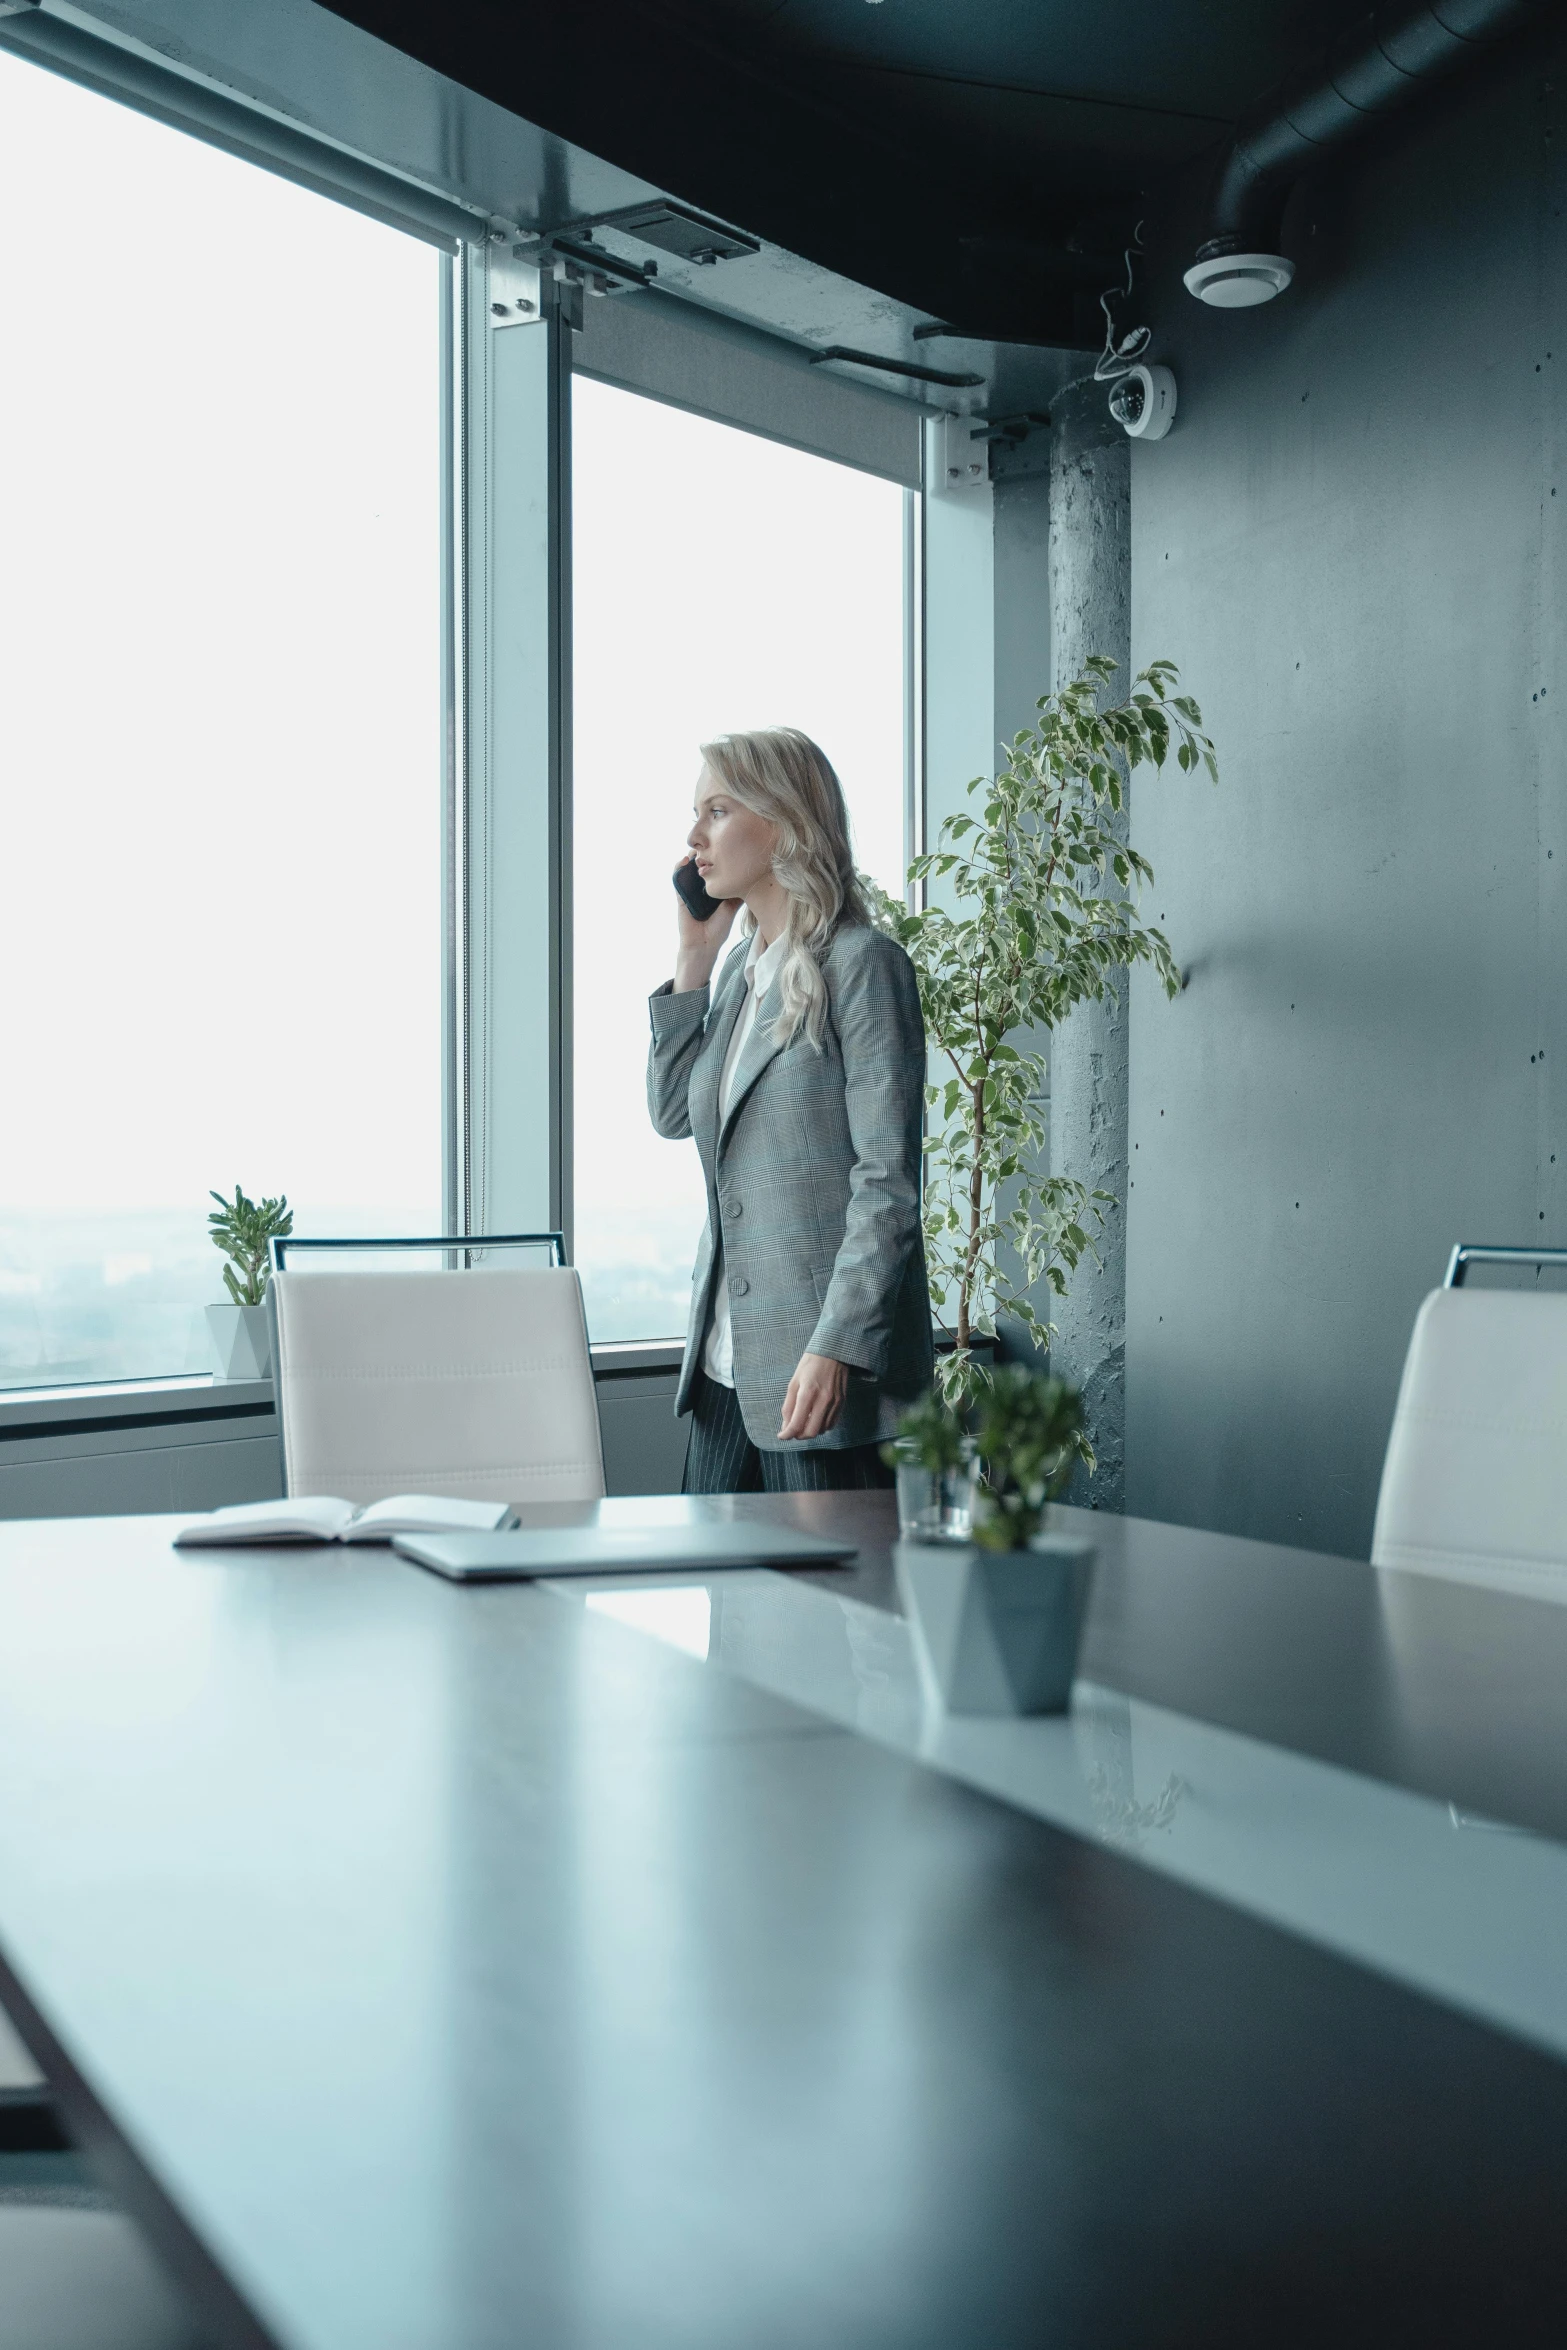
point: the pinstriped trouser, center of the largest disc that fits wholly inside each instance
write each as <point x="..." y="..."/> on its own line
<point x="722" y="1458"/>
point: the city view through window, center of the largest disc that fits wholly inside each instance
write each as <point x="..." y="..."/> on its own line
<point x="219" y="732"/>
<point x="219" y="727"/>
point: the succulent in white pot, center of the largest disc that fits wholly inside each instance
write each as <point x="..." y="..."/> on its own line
<point x="242" y="1229"/>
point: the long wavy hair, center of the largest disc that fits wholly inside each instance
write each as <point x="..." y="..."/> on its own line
<point x="782" y="775"/>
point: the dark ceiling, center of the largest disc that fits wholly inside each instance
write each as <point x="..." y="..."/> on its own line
<point x="978" y="160"/>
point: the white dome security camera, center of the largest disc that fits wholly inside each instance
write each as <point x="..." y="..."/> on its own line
<point x="1143" y="403"/>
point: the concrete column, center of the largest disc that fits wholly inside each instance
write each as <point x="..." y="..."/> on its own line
<point x="1090" y="612"/>
<point x="1020" y="487"/>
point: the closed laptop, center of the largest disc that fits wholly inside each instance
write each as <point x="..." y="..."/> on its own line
<point x="524" y="1553"/>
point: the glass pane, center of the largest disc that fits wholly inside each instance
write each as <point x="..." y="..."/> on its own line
<point x="722" y="582"/>
<point x="219" y="725"/>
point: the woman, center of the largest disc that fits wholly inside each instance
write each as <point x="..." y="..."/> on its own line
<point x="802" y="1081"/>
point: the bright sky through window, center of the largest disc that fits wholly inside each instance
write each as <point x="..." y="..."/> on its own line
<point x="722" y="582"/>
<point x="219" y="723"/>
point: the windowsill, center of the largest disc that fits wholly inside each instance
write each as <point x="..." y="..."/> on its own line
<point x="637" y="1355"/>
<point x="39" y="1411"/>
<point x="56" y="1411"/>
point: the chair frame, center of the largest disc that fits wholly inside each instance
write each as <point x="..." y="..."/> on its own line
<point x="454" y="1244"/>
<point x="1469" y="1252"/>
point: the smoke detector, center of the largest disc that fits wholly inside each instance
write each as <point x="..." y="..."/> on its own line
<point x="1238" y="281"/>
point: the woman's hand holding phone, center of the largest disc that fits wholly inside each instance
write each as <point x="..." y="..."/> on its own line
<point x="701" y="942"/>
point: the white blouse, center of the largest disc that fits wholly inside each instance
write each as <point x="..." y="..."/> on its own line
<point x="762" y="966"/>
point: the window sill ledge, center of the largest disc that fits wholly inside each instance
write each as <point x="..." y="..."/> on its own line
<point x="637" y="1357"/>
<point x="151" y="1403"/>
<point x="80" y="1411"/>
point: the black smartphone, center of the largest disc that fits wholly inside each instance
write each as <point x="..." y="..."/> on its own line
<point x="689" y="883"/>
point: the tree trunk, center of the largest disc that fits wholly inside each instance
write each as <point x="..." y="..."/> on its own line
<point x="976" y="1201"/>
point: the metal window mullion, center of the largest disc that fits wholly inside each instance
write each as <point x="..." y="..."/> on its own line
<point x="516" y="863"/>
<point x="562" y="1189"/>
<point x="913" y="686"/>
<point x="453" y="884"/>
<point x="474" y="469"/>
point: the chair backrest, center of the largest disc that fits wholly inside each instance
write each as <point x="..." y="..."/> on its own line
<point x="1475" y="1481"/>
<point x="473" y="1383"/>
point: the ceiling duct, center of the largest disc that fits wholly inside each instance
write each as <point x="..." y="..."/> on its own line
<point x="1381" y="62"/>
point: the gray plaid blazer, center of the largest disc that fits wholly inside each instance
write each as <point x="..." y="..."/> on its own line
<point x="813" y="1185"/>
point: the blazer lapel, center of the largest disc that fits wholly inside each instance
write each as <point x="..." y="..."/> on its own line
<point x="721" y="1020"/>
<point x="761" y="1046"/>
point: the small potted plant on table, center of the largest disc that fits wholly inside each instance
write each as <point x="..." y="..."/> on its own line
<point x="997" y="1620"/>
<point x="243" y="1229"/>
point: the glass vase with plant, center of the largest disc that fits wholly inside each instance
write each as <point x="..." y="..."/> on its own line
<point x="1008" y="1441"/>
<point x="932" y="1458"/>
<point x="1028" y="1435"/>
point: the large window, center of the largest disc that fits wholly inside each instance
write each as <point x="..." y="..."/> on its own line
<point x="221" y="732"/>
<point x="721" y="582"/>
<point x="219" y="724"/>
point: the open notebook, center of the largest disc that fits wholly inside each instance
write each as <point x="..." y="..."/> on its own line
<point x="318" y="1517"/>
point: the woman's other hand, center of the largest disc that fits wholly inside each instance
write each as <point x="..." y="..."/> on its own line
<point x="701" y="943"/>
<point x="815" y="1397"/>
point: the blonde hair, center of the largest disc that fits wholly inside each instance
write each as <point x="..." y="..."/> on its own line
<point x="782" y="775"/>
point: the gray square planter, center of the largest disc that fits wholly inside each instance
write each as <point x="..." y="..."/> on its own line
<point x="997" y="1631"/>
<point x="241" y="1341"/>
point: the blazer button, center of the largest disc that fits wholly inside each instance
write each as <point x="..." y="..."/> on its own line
<point x="734" y="1211"/>
<point x="739" y="1288"/>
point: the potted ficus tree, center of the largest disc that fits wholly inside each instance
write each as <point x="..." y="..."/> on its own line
<point x="242" y="1230"/>
<point x="1038" y="913"/>
<point x="1043" y="895"/>
<point x="996" y="1621"/>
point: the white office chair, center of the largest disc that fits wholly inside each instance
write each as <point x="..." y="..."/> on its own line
<point x="74" y="2273"/>
<point x="79" y="2279"/>
<point x="467" y="1381"/>
<point x="1475" y="1481"/>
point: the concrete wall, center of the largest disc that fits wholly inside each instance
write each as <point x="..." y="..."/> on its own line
<point x="1352" y="542"/>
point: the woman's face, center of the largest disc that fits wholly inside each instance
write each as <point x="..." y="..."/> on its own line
<point x="732" y="845"/>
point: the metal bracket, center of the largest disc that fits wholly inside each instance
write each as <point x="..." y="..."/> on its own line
<point x="575" y="261"/>
<point x="571" y="255"/>
<point x="579" y="260"/>
<point x="961" y="458"/>
<point x="673" y="228"/>
<point x="512" y="283"/>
